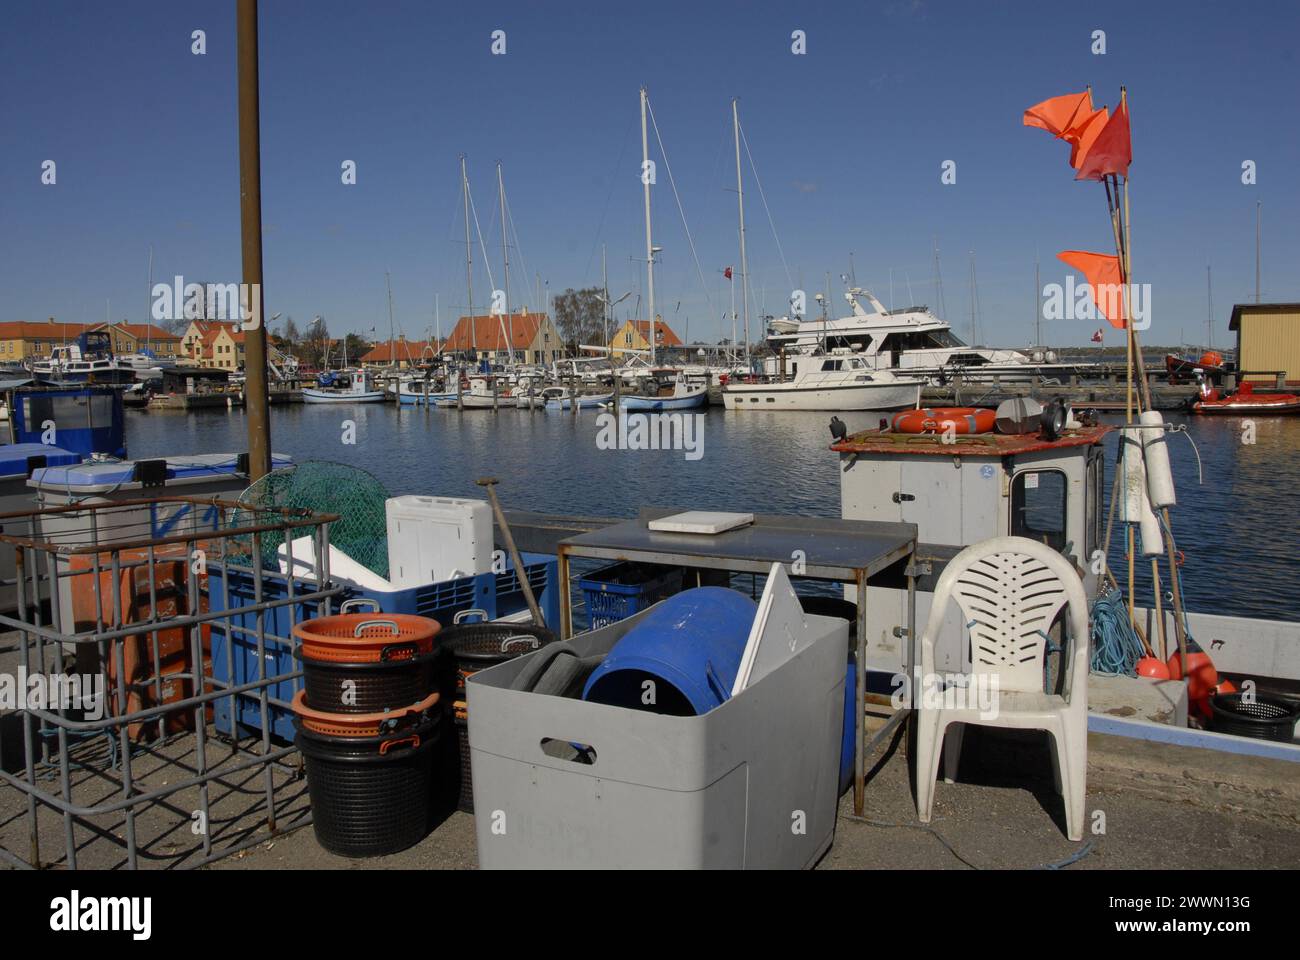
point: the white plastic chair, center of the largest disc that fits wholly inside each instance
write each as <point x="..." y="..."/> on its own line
<point x="1010" y="590"/>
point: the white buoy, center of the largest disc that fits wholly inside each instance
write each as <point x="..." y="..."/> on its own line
<point x="1153" y="540"/>
<point x="1135" y="480"/>
<point x="1160" y="479"/>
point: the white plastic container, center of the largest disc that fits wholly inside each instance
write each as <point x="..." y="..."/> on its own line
<point x="431" y="539"/>
<point x="752" y="784"/>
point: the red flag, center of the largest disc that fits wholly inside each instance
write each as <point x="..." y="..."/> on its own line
<point x="1103" y="276"/>
<point x="1112" y="150"/>
<point x="1084" y="133"/>
<point x="1096" y="337"/>
<point x="1057" y="114"/>
<point x="727" y="273"/>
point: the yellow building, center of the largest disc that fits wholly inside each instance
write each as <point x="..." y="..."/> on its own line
<point x="21" y="339"/>
<point x="136" y="337"/>
<point x="1268" y="341"/>
<point x="635" y="336"/>
<point x="214" y="343"/>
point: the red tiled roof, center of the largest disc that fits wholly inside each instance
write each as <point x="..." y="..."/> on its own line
<point x="408" y="350"/>
<point x="521" y="329"/>
<point x="666" y="336"/>
<point x="141" y="331"/>
<point x="43" y="330"/>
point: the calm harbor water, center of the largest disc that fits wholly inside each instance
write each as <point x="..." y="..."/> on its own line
<point x="1239" y="529"/>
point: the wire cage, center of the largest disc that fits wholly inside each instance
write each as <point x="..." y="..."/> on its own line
<point x="109" y="756"/>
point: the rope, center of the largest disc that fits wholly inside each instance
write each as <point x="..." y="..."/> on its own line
<point x="1116" y="649"/>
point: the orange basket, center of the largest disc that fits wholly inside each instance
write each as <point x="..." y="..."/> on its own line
<point x="356" y="725"/>
<point x="366" y="637"/>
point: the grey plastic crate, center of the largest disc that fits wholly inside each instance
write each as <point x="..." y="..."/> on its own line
<point x="752" y="783"/>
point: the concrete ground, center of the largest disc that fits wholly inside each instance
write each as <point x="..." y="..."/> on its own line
<point x="1160" y="806"/>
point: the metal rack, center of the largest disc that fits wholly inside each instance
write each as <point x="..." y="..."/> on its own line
<point x="138" y="765"/>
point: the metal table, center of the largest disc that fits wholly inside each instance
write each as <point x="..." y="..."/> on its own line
<point x="845" y="551"/>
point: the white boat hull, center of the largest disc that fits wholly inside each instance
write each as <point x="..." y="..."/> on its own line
<point x="845" y="397"/>
<point x="318" y="395"/>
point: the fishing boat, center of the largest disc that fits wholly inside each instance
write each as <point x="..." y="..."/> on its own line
<point x="678" y="394"/>
<point x="840" y="381"/>
<point x="478" y="396"/>
<point x="419" y="392"/>
<point x="332" y="387"/>
<point x="1245" y="402"/>
<point x="558" y="398"/>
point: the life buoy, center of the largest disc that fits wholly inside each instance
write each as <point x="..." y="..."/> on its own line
<point x="938" y="419"/>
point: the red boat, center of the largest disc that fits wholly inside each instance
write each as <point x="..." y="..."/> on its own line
<point x="1182" y="369"/>
<point x="1245" y="401"/>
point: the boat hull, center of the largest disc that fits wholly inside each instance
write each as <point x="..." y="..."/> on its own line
<point x="315" y="395"/>
<point x="1254" y="407"/>
<point x="843" y="398"/>
<point x="657" y="404"/>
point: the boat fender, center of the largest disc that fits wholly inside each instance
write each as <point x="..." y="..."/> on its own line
<point x="1160" y="479"/>
<point x="1135" y="480"/>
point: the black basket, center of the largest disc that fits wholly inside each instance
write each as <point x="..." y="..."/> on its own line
<point x="369" y="800"/>
<point x="471" y="647"/>
<point x="465" y="801"/>
<point x="1261" y="719"/>
<point x="477" y="646"/>
<point x="374" y="687"/>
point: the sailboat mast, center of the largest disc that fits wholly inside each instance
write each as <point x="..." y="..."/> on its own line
<point x="740" y="192"/>
<point x="604" y="304"/>
<point x="1038" y="307"/>
<point x="1209" y="307"/>
<point x="392" y="342"/>
<point x="148" y="313"/>
<point x="649" y="247"/>
<point x="505" y="256"/>
<point x="469" y="258"/>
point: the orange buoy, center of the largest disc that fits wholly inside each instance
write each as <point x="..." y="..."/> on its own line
<point x="941" y="419"/>
<point x="1153" y="667"/>
<point x="1202" y="677"/>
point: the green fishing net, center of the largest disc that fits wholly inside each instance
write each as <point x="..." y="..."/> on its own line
<point x="322" y="487"/>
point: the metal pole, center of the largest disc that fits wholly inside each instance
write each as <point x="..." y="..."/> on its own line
<point x="521" y="572"/>
<point x="257" y="409"/>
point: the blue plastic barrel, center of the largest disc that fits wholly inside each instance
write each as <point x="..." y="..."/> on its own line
<point x="849" y="738"/>
<point x="688" y="648"/>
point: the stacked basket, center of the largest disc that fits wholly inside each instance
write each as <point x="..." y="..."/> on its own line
<point x="474" y="647"/>
<point x="368" y="720"/>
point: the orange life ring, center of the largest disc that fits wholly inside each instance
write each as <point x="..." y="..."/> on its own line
<point x="937" y="420"/>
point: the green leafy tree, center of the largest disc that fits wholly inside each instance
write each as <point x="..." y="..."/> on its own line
<point x="579" y="317"/>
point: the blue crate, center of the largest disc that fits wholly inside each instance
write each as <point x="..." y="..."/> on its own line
<point x="617" y="591"/>
<point x="497" y="594"/>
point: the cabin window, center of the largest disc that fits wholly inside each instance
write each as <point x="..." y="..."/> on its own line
<point x="1038" y="507"/>
<point x="830" y="365"/>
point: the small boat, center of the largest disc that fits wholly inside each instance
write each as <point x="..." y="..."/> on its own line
<point x="1182" y="369"/>
<point x="840" y="380"/>
<point x="343" y="388"/>
<point x="681" y="394"/>
<point x="419" y="392"/>
<point x="557" y="398"/>
<point x="89" y="360"/>
<point x="1245" y="402"/>
<point x="478" y="396"/>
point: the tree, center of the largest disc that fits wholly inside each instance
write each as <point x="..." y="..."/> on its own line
<point x="316" y="343"/>
<point x="357" y="347"/>
<point x="579" y="317"/>
<point x="290" y="331"/>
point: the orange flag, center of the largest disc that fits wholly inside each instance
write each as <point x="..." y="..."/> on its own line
<point x="1111" y="151"/>
<point x="1103" y="276"/>
<point x="1083" y="133"/>
<point x="1057" y="114"/>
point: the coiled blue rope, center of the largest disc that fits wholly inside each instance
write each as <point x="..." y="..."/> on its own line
<point x="1116" y="649"/>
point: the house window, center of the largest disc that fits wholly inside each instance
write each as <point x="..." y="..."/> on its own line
<point x="628" y="338"/>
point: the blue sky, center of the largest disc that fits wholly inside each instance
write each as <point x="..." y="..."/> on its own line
<point x="848" y="140"/>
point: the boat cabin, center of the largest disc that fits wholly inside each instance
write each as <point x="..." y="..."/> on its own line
<point x="962" y="490"/>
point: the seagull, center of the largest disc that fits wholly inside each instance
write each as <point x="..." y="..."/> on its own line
<point x="838" y="430"/>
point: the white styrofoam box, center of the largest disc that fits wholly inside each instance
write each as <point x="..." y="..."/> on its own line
<point x="719" y="790"/>
<point x="701" y="521"/>
<point x="431" y="539"/>
<point x="342" y="567"/>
